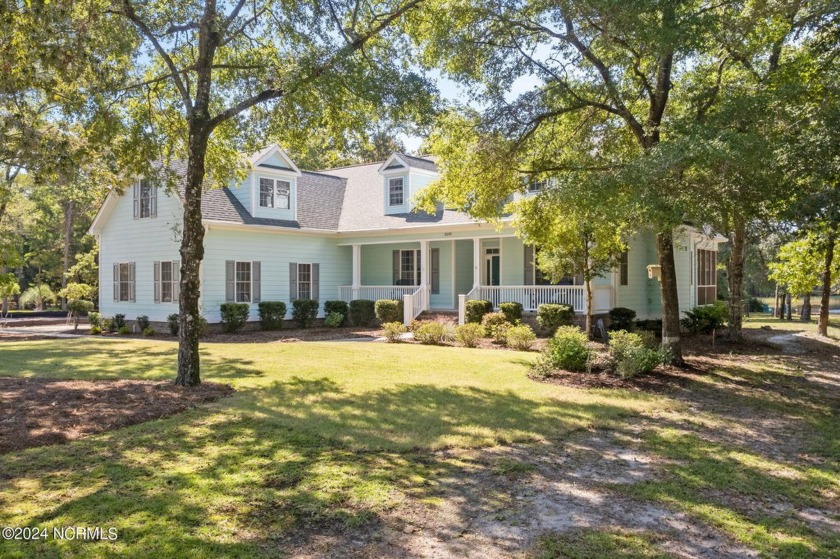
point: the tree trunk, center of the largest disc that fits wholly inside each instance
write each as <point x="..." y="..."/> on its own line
<point x="805" y="311"/>
<point x="777" y="309"/>
<point x="670" y="299"/>
<point x="736" y="279"/>
<point x="825" y="300"/>
<point x="69" y="209"/>
<point x="192" y="253"/>
<point x="789" y="306"/>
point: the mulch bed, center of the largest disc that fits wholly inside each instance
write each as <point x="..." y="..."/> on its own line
<point x="38" y="412"/>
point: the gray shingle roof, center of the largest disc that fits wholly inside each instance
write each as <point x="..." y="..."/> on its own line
<point x="343" y="199"/>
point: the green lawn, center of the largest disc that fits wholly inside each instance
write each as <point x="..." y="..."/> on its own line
<point x="338" y="433"/>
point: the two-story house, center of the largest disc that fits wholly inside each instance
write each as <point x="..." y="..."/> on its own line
<point x="351" y="233"/>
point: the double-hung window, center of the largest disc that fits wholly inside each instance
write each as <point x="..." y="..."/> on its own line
<point x="242" y="279"/>
<point x="167" y="279"/>
<point x="406" y="269"/>
<point x="396" y="191"/>
<point x="304" y="282"/>
<point x="124" y="281"/>
<point x="243" y="282"/>
<point x="275" y="193"/>
<point x="145" y="199"/>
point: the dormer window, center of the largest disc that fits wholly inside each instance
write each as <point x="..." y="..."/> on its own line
<point x="536" y="186"/>
<point x="396" y="192"/>
<point x="275" y="193"/>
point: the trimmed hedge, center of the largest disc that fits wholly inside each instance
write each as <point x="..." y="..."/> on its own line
<point x="143" y="322"/>
<point x="337" y="307"/>
<point x="234" y="316"/>
<point x="622" y="318"/>
<point x="272" y="314"/>
<point x="476" y="309"/>
<point x="389" y="310"/>
<point x="512" y="310"/>
<point x="304" y="312"/>
<point x="362" y="312"/>
<point x="550" y="317"/>
<point x="707" y="318"/>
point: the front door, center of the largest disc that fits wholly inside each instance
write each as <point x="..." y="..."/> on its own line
<point x="492" y="267"/>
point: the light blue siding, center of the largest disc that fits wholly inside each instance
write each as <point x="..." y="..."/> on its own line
<point x="444" y="299"/>
<point x="463" y="267"/>
<point x="142" y="241"/>
<point x="275" y="250"/>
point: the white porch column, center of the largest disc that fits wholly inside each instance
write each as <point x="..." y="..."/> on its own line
<point x="462" y="309"/>
<point x="476" y="262"/>
<point x="424" y="272"/>
<point x="357" y="270"/>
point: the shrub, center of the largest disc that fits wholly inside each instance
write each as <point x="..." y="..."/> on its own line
<point x="706" y="319"/>
<point x="143" y="322"/>
<point x="271" y="314"/>
<point x="542" y="368"/>
<point x="334" y="320"/>
<point x="630" y="355"/>
<point x="520" y="337"/>
<point x="119" y="321"/>
<point x="550" y="317"/>
<point x="755" y="305"/>
<point x="95" y="330"/>
<point x="234" y="316"/>
<point x="124" y="331"/>
<point x="149" y="331"/>
<point x="304" y="312"/>
<point x="393" y="330"/>
<point x="567" y="349"/>
<point x="621" y="318"/>
<point x="389" y="310"/>
<point x="340" y="307"/>
<point x="476" y="309"/>
<point x="468" y="334"/>
<point x="37" y="296"/>
<point x="362" y="312"/>
<point x="172" y="322"/>
<point x="95" y="319"/>
<point x="496" y="326"/>
<point x="512" y="311"/>
<point x="430" y="333"/>
<point x="78" y="308"/>
<point x="107" y="324"/>
<point x="651" y="325"/>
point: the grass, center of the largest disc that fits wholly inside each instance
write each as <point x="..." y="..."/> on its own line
<point x="326" y="434"/>
<point x="317" y="433"/>
<point x="757" y="320"/>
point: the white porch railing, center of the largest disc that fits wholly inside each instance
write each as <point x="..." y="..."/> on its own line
<point x="413" y="305"/>
<point x="532" y="296"/>
<point x="375" y="292"/>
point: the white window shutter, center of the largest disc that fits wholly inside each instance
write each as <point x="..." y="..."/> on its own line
<point x="255" y="282"/>
<point x="116" y="282"/>
<point x="176" y="281"/>
<point x="316" y="272"/>
<point x="131" y="292"/>
<point x="157" y="281"/>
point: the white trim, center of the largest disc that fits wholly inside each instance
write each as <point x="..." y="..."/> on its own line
<point x="452" y="265"/>
<point x="106" y="208"/>
<point x="254" y="226"/>
<point x="267" y="152"/>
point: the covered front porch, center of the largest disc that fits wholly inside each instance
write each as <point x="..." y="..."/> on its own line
<point x="441" y="274"/>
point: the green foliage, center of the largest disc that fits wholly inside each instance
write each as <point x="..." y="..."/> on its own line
<point x="389" y="310"/>
<point x="469" y="333"/>
<point x="755" y="305"/>
<point x="8" y="286"/>
<point x="707" y="318"/>
<point x="520" y="337"/>
<point x="393" y="331"/>
<point x="271" y="314"/>
<point x="95" y="330"/>
<point x="148" y="331"/>
<point x="37" y="296"/>
<point x="340" y="307"/>
<point x="496" y="326"/>
<point x="798" y="265"/>
<point x="476" y="309"/>
<point x="173" y="324"/>
<point x="631" y="354"/>
<point x="550" y="317"/>
<point x="567" y="349"/>
<point x="234" y="316"/>
<point x="621" y="318"/>
<point x="107" y="324"/>
<point x="430" y="332"/>
<point x="334" y="320"/>
<point x="124" y="331"/>
<point x="542" y="368"/>
<point x="304" y="312"/>
<point x="78" y="291"/>
<point x="512" y="311"/>
<point x="94" y="319"/>
<point x="119" y="321"/>
<point x="362" y="312"/>
<point x="79" y="307"/>
<point x="143" y="322"/>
